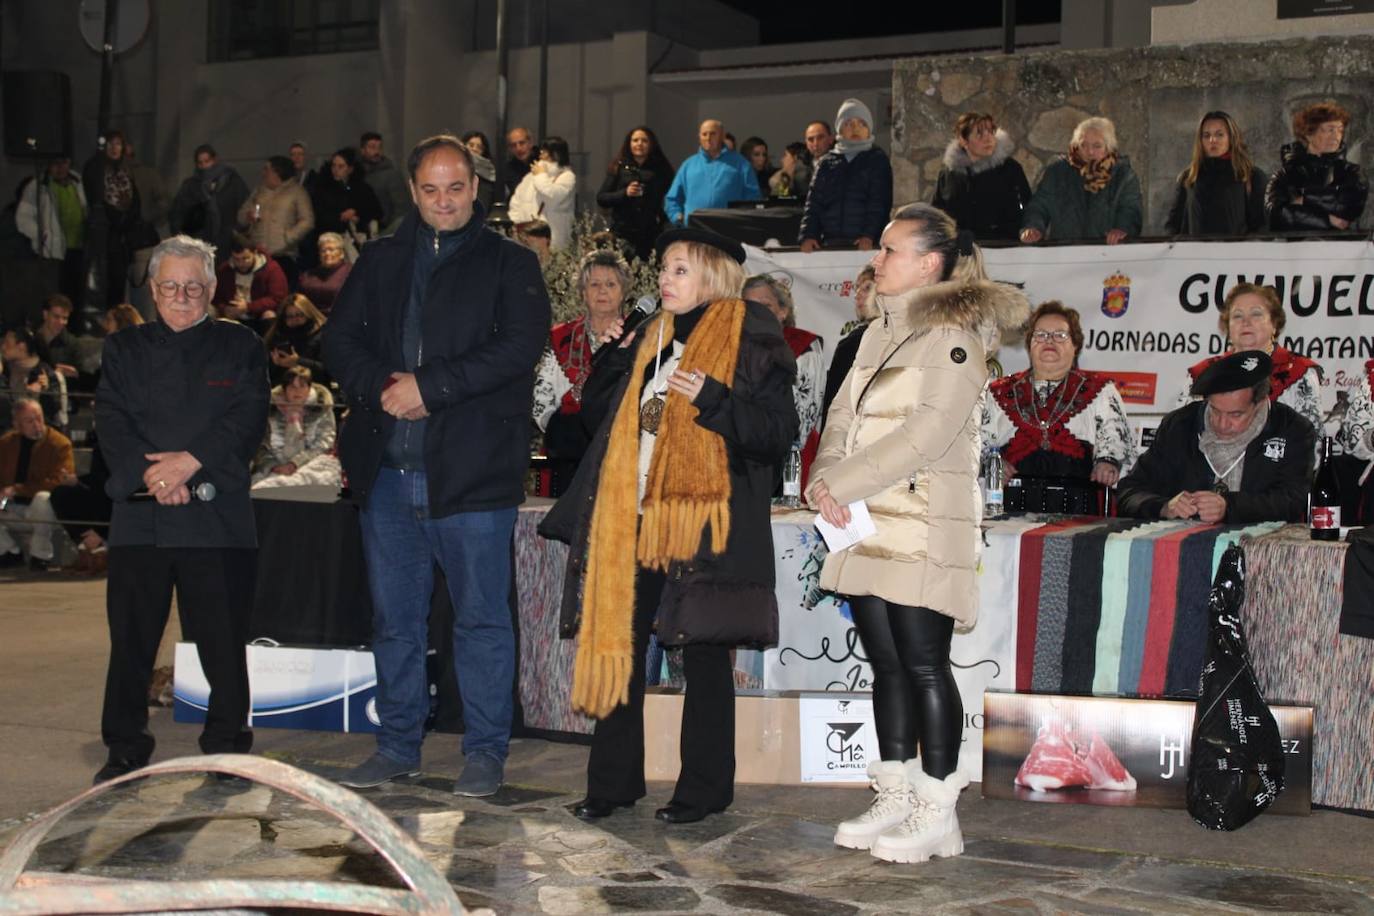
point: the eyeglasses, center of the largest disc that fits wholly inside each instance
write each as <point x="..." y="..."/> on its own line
<point x="192" y="288"/>
<point x="1047" y="336"/>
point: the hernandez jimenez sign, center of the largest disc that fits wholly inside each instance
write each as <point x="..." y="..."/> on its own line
<point x="1149" y="310"/>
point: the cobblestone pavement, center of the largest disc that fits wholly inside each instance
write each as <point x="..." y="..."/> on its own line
<point x="523" y="852"/>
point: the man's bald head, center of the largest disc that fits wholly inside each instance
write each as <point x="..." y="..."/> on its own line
<point x="712" y="136"/>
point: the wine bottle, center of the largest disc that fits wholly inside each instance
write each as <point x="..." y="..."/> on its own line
<point x="1324" y="500"/>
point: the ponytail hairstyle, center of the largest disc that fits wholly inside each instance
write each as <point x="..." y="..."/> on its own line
<point x="962" y="261"/>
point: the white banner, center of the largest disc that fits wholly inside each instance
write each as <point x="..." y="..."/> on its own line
<point x="819" y="649"/>
<point x="1149" y="310"/>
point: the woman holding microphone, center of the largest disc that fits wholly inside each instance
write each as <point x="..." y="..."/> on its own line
<point x="668" y="518"/>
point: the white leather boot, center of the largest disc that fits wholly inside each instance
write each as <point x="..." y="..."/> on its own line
<point x="932" y="828"/>
<point x="890" y="808"/>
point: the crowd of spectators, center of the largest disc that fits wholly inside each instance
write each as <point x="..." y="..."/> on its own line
<point x="286" y="248"/>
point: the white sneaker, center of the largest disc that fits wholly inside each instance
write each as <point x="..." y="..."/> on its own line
<point x="890" y="808"/>
<point x="932" y="828"/>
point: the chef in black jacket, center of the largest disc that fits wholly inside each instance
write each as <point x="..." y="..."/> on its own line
<point x="182" y="403"/>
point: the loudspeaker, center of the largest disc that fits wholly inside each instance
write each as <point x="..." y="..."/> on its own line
<point x="38" y="114"/>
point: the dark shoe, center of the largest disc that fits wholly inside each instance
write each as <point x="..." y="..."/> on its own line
<point x="375" y="770"/>
<point x="591" y="809"/>
<point x="678" y="813"/>
<point x="11" y="560"/>
<point x="482" y="776"/>
<point x="116" y="767"/>
<point x="37" y="564"/>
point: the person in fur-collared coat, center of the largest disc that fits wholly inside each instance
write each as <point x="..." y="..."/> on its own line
<point x="903" y="437"/>
<point x="981" y="186"/>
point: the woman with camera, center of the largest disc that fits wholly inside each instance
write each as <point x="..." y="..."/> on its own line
<point x="636" y="182"/>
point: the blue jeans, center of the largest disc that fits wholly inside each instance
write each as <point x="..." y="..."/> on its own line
<point x="401" y="543"/>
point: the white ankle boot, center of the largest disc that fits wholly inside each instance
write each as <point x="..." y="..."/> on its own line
<point x="890" y="808"/>
<point x="932" y="828"/>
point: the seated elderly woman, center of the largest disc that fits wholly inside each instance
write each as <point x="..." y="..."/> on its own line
<point x="1316" y="188"/>
<point x="1252" y="318"/>
<point x="1054" y="420"/>
<point x="321" y="283"/>
<point x="603" y="279"/>
<point x="808" y="390"/>
<point x="1090" y="195"/>
<point x="299" y="448"/>
<point x="981" y="185"/>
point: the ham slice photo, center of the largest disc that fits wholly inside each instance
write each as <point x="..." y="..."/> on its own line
<point x="1057" y="761"/>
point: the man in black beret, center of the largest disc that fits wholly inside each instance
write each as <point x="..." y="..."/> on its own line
<point x="1234" y="456"/>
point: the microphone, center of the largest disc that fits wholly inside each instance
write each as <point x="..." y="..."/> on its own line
<point x="204" y="492"/>
<point x="643" y="310"/>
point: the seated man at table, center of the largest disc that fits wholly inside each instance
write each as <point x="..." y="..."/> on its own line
<point x="1232" y="457"/>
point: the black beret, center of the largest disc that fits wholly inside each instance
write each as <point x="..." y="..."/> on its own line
<point x="1234" y="372"/>
<point x="705" y="236"/>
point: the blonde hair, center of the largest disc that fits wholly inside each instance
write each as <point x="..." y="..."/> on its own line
<point x="1103" y="126"/>
<point x="722" y="277"/>
<point x="938" y="233"/>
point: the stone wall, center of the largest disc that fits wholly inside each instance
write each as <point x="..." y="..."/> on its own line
<point x="1154" y="95"/>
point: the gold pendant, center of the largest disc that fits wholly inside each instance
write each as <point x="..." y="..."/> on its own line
<point x="651" y="414"/>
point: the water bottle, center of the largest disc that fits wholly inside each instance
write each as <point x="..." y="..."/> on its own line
<point x="791" y="478"/>
<point x="996" y="477"/>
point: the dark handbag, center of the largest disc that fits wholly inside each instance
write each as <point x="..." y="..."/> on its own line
<point x="1236" y="769"/>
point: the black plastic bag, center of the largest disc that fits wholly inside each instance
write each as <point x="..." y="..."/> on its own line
<point x="1236" y="770"/>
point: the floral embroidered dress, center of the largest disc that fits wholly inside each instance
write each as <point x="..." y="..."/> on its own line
<point x="1058" y="428"/>
<point x="808" y="392"/>
<point x="1356" y="435"/>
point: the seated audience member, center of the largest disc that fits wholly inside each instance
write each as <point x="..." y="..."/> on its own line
<point x="482" y="166"/>
<point x="1356" y="435"/>
<point x="34" y="458"/>
<point x="1221" y="192"/>
<point x="851" y="190"/>
<point x="793" y="177"/>
<point x="80" y="504"/>
<point x="808" y="388"/>
<point x="1056" y="420"/>
<point x="277" y="215"/>
<point x="1090" y="195"/>
<point x="294" y="339"/>
<point x="1231" y="457"/>
<point x="26" y="374"/>
<point x="299" y="449"/>
<point x="755" y="150"/>
<point x="321" y="283"/>
<point x="604" y="280"/>
<point x="56" y="344"/>
<point x="1316" y="188"/>
<point x="981" y="185"/>
<point x="250" y="286"/>
<point x="343" y="202"/>
<point x="633" y="190"/>
<point x="115" y="319"/>
<point x="1252" y="317"/>
<point x="548" y="192"/>
<point x="709" y="179"/>
<point x="865" y="310"/>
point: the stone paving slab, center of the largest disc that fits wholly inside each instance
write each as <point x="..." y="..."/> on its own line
<point x="523" y="852"/>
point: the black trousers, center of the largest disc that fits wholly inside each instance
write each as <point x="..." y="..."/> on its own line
<point x="86" y="504"/>
<point x="214" y="588"/>
<point x="615" y="769"/>
<point x="916" y="702"/>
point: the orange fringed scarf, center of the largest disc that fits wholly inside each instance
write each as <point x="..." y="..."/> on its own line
<point x="688" y="489"/>
<point x="1095" y="175"/>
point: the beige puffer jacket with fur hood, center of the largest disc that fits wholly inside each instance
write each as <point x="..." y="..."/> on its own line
<point x="910" y="448"/>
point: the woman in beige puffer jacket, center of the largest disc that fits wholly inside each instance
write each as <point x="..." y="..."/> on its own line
<point x="278" y="214"/>
<point x="903" y="436"/>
